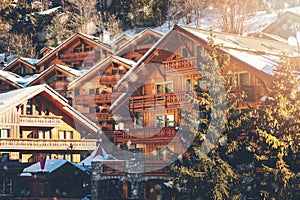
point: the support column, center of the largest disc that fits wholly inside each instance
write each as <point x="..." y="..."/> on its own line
<point x="95" y="179"/>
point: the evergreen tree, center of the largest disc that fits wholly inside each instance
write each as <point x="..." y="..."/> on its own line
<point x="274" y="137"/>
<point x="204" y="171"/>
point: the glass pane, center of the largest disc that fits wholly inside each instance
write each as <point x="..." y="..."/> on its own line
<point x="170" y="121"/>
<point x="61" y="134"/>
<point x="69" y="135"/>
<point x="160" y="121"/>
<point x="41" y="134"/>
<point x="47" y="135"/>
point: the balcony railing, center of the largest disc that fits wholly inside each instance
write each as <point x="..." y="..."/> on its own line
<point x="46" y="144"/>
<point x="147" y="135"/>
<point x="93" y="99"/>
<point x="77" y="56"/>
<point x="165" y="100"/>
<point x="185" y="64"/>
<point x="41" y="121"/>
<point x="112" y="79"/>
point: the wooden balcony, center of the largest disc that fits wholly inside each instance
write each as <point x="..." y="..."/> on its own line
<point x="40" y="121"/>
<point x="185" y="64"/>
<point x="104" y="116"/>
<point x="93" y="99"/>
<point x="147" y="135"/>
<point x="156" y="100"/>
<point x="89" y="55"/>
<point x="46" y="144"/>
<point x="110" y="79"/>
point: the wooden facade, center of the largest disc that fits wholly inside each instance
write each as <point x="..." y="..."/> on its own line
<point x="79" y="52"/>
<point x="135" y="48"/>
<point x="21" y="67"/>
<point x="57" y="77"/>
<point x="93" y="92"/>
<point x="10" y="81"/>
<point x="38" y="120"/>
<point x="147" y="118"/>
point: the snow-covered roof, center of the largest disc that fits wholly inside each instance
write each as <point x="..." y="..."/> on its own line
<point x="75" y="72"/>
<point x="32" y="61"/>
<point x="99" y="154"/>
<point x="227" y="40"/>
<point x="15" y="97"/>
<point x="14" y="78"/>
<point x="50" y="166"/>
<point x="96" y="67"/>
<point x="263" y="63"/>
<point x="49" y="11"/>
<point x="136" y="36"/>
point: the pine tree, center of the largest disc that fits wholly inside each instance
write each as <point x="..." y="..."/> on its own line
<point x="204" y="171"/>
<point x="274" y="137"/>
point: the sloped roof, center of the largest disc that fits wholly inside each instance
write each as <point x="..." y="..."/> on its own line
<point x="29" y="62"/>
<point x="14" y="79"/>
<point x="13" y="98"/>
<point x="98" y="154"/>
<point x="66" y="69"/>
<point x="135" y="40"/>
<point x="91" y="39"/>
<point x="50" y="166"/>
<point x="100" y="65"/>
<point x="255" y="45"/>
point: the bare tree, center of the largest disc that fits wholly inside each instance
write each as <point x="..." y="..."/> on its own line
<point x="107" y="22"/>
<point x="59" y="29"/>
<point x="22" y="45"/>
<point x="83" y="16"/>
<point x="232" y="14"/>
<point x="195" y="10"/>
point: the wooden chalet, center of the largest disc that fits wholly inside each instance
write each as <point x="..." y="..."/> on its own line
<point x="58" y="178"/>
<point x="10" y="81"/>
<point x="135" y="48"/>
<point x="92" y="92"/>
<point x="37" y="120"/>
<point x="148" y="125"/>
<point x="80" y="51"/>
<point x="286" y="25"/>
<point x="22" y="66"/>
<point x="57" y="77"/>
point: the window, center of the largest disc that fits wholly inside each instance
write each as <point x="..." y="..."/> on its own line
<point x="164" y="88"/>
<point x="139" y="121"/>
<point x="188" y="85"/>
<point x="92" y="91"/>
<point x="165" y="120"/>
<point x="160" y="121"/>
<point x="185" y="53"/>
<point x="43" y="134"/>
<point x="28" y="107"/>
<point x="47" y="134"/>
<point x="61" y="135"/>
<point x="4" y="133"/>
<point x="244" y="79"/>
<point x="68" y="157"/>
<point x="69" y="135"/>
<point x="65" y="135"/>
